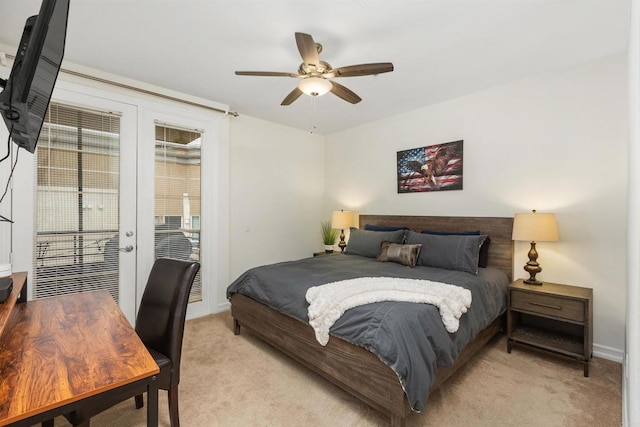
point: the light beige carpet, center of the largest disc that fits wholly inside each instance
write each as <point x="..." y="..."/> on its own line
<point x="230" y="380"/>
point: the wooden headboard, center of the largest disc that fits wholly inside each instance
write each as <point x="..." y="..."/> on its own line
<point x="498" y="229"/>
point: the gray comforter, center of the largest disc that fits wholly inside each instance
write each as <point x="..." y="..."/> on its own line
<point x="408" y="337"/>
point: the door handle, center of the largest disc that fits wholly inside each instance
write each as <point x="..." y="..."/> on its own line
<point x="127" y="248"/>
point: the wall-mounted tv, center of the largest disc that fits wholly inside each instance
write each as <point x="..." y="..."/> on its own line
<point x="27" y="91"/>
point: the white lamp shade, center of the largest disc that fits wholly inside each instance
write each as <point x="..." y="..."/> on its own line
<point x="535" y="227"/>
<point x="315" y="86"/>
<point x="341" y="219"/>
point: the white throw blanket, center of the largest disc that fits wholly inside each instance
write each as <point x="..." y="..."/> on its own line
<point x="327" y="303"/>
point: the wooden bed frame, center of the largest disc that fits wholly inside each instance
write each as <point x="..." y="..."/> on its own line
<point x="355" y="369"/>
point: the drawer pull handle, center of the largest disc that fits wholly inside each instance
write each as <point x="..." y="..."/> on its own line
<point x="555" y="307"/>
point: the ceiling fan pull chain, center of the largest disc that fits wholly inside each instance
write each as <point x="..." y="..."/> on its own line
<point x="313" y="114"/>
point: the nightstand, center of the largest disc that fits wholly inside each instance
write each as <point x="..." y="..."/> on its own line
<point x="551" y="317"/>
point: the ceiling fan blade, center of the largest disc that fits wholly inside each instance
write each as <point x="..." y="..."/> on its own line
<point x="360" y="70"/>
<point x="307" y="48"/>
<point x="265" y="73"/>
<point x="344" y="93"/>
<point x="293" y="95"/>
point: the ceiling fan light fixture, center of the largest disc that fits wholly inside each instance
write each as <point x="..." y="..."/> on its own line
<point x="315" y="86"/>
<point x="314" y="75"/>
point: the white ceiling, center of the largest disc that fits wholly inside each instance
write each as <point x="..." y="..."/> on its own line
<point x="441" y="49"/>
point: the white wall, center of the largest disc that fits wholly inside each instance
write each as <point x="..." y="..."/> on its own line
<point x="276" y="193"/>
<point x="631" y="379"/>
<point x="555" y="143"/>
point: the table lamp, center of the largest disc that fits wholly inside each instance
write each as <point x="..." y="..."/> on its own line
<point x="534" y="227"/>
<point x="340" y="220"/>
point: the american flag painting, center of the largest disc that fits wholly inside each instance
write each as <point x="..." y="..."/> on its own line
<point x="433" y="168"/>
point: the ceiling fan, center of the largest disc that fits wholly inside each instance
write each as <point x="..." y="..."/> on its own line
<point x="314" y="74"/>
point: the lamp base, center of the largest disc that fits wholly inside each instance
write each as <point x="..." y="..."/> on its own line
<point x="342" y="245"/>
<point x="532" y="267"/>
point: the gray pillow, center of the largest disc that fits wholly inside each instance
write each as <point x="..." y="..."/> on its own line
<point x="452" y="252"/>
<point x="367" y="243"/>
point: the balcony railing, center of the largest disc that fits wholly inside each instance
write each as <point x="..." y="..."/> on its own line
<point x="78" y="261"/>
<point x="74" y="261"/>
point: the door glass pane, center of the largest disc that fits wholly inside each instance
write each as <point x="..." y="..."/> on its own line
<point x="177" y="197"/>
<point x="77" y="203"/>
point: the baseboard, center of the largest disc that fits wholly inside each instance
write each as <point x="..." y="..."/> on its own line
<point x="625" y="413"/>
<point x="609" y="353"/>
<point x="225" y="306"/>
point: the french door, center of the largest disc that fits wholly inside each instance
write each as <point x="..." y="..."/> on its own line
<point x="85" y="235"/>
<point x="118" y="185"/>
<point x="173" y="210"/>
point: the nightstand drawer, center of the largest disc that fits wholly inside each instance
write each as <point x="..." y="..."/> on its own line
<point x="549" y="305"/>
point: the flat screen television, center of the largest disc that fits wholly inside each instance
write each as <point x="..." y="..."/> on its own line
<point x="27" y="91"/>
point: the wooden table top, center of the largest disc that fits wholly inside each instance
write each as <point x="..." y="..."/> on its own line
<point x="63" y="349"/>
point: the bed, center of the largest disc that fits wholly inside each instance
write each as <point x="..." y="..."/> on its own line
<point x="375" y="373"/>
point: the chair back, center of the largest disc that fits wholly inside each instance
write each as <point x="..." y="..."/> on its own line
<point x="163" y="308"/>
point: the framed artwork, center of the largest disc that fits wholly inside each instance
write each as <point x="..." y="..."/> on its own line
<point x="432" y="168"/>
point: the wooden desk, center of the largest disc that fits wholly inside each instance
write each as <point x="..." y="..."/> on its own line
<point x="58" y="354"/>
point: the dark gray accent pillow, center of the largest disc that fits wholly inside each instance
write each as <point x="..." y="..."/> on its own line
<point x="402" y="254"/>
<point x="367" y="243"/>
<point x="372" y="227"/>
<point x="452" y="252"/>
<point x="483" y="260"/>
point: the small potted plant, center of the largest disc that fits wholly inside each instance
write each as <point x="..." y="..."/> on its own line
<point x="329" y="236"/>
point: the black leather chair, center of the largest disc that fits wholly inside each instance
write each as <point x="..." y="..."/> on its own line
<point x="160" y="322"/>
<point x="160" y="325"/>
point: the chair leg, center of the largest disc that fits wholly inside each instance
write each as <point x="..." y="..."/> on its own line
<point x="139" y="401"/>
<point x="173" y="406"/>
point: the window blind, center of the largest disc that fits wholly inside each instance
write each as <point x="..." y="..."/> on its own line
<point x="77" y="202"/>
<point x="177" y="196"/>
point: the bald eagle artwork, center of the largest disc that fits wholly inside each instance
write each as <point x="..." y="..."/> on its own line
<point x="432" y="168"/>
